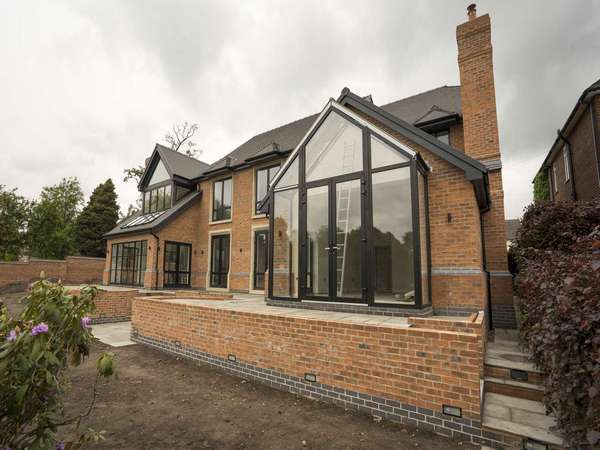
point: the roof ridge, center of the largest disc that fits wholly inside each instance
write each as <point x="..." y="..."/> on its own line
<point x="420" y="93"/>
<point x="182" y="154"/>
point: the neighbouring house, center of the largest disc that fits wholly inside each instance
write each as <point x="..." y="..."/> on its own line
<point x="572" y="165"/>
<point x="394" y="209"/>
<point x="512" y="227"/>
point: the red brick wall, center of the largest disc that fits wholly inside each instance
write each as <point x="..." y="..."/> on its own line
<point x="73" y="270"/>
<point x="419" y="366"/>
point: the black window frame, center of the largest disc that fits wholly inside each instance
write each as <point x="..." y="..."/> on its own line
<point x="259" y="277"/>
<point x="415" y="163"/>
<point x="219" y="213"/>
<point x="152" y="192"/>
<point x="177" y="272"/>
<point x="221" y="275"/>
<point x="257" y="199"/>
<point x="134" y="276"/>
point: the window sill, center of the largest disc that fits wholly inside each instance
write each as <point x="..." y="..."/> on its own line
<point x="218" y="222"/>
<point x="259" y="216"/>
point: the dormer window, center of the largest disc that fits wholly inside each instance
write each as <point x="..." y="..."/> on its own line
<point x="443" y="136"/>
<point x="157" y="199"/>
<point x="160" y="174"/>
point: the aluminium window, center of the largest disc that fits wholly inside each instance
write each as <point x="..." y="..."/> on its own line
<point x="128" y="263"/>
<point x="443" y="136"/>
<point x="157" y="199"/>
<point x="177" y="264"/>
<point x="222" y="200"/>
<point x="555" y="177"/>
<point x="219" y="264"/>
<point x="264" y="176"/>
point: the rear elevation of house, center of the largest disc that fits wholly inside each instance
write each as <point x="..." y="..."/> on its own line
<point x="388" y="209"/>
<point x="572" y="165"/>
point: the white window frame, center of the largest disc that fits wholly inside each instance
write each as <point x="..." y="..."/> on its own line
<point x="566" y="163"/>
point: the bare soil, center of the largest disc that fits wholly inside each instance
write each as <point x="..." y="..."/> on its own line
<point x="161" y="401"/>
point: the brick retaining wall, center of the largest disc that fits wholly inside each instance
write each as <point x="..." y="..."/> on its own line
<point x="72" y="270"/>
<point x="402" y="374"/>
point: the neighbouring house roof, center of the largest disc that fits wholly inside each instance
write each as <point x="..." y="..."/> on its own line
<point x="588" y="93"/>
<point x="437" y="104"/>
<point x="159" y="221"/>
<point x="177" y="164"/>
<point x="512" y="226"/>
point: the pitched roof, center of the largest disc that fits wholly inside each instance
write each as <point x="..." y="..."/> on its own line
<point x="164" y="218"/>
<point x="439" y="103"/>
<point x="180" y="164"/>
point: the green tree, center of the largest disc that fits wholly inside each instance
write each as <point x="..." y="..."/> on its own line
<point x="53" y="216"/>
<point x="14" y="215"/>
<point x="99" y="216"/>
<point x="541" y="189"/>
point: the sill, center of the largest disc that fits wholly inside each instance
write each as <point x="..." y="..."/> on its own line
<point x="256" y="291"/>
<point x="218" y="222"/>
<point x="259" y="216"/>
<point x="217" y="289"/>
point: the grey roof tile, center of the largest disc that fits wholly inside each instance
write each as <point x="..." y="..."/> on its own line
<point x="181" y="164"/>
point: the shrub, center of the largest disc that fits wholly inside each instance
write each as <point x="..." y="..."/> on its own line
<point x="559" y="286"/>
<point x="36" y="348"/>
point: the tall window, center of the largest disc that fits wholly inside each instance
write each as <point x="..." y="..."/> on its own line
<point x="219" y="266"/>
<point x="566" y="163"/>
<point x="128" y="263"/>
<point x="260" y="258"/>
<point x="263" y="178"/>
<point x="554" y="177"/>
<point x="222" y="200"/>
<point x="177" y="264"/>
<point x="157" y="199"/>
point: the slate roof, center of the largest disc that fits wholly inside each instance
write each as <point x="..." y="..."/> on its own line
<point x="431" y="105"/>
<point x="181" y="164"/>
<point x="162" y="220"/>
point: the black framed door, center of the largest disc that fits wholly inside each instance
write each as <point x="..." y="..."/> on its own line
<point x="261" y="239"/>
<point x="219" y="268"/>
<point x="334" y="241"/>
<point x="177" y="265"/>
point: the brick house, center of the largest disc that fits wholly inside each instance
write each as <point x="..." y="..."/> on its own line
<point x="573" y="162"/>
<point x="391" y="209"/>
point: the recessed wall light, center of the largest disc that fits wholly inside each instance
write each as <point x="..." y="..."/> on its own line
<point x="452" y="410"/>
<point x="231" y="357"/>
<point x="310" y="377"/>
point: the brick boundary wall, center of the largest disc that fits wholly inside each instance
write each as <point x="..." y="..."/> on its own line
<point x="17" y="275"/>
<point x="401" y="374"/>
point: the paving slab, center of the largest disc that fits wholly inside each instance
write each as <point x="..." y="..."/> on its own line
<point x="114" y="334"/>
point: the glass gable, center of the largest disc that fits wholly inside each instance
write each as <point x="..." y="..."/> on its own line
<point x="335" y="149"/>
<point x="159" y="175"/>
<point x="342" y="232"/>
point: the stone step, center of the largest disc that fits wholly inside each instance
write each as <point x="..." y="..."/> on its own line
<point x="519" y="389"/>
<point x="512" y="419"/>
<point x="509" y="374"/>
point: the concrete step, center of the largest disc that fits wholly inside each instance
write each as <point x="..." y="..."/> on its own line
<point x="509" y="374"/>
<point x="515" y="419"/>
<point x="513" y="388"/>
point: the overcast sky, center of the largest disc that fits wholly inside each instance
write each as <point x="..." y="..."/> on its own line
<point x="88" y="87"/>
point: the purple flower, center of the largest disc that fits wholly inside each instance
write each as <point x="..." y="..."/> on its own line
<point x="86" y="322"/>
<point x="39" y="328"/>
<point x="12" y="336"/>
<point x="60" y="446"/>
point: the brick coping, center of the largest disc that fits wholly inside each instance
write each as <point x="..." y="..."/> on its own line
<point x="459" y="428"/>
<point x="350" y="308"/>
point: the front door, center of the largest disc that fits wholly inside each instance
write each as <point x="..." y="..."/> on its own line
<point x="333" y="245"/>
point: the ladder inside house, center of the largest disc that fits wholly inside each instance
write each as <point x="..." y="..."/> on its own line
<point x="342" y="226"/>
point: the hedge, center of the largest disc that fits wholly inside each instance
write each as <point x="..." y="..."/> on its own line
<point x="559" y="287"/>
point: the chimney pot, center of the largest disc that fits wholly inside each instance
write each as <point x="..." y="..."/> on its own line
<point x="472" y="11"/>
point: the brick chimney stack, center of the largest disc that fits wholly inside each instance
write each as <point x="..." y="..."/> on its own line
<point x="481" y="142"/>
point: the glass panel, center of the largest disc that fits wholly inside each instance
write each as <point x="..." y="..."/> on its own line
<point x="160" y="202"/>
<point x="285" y="244"/>
<point x="348" y="239"/>
<point x="383" y="154"/>
<point x="160" y="174"/>
<point x="260" y="258"/>
<point x="184" y="258"/>
<point x="290" y="177"/>
<point x="217" y="199"/>
<point x="146" y="207"/>
<point x="392" y="237"/>
<point x="262" y="182"/>
<point x="153" y="201"/>
<point x="226" y="199"/>
<point x="317" y="241"/>
<point x="219" y="261"/>
<point x="170" y="257"/>
<point x="128" y="263"/>
<point x="180" y="192"/>
<point x="167" y="196"/>
<point x="335" y="149"/>
<point x="443" y="136"/>
<point x="424" y="240"/>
